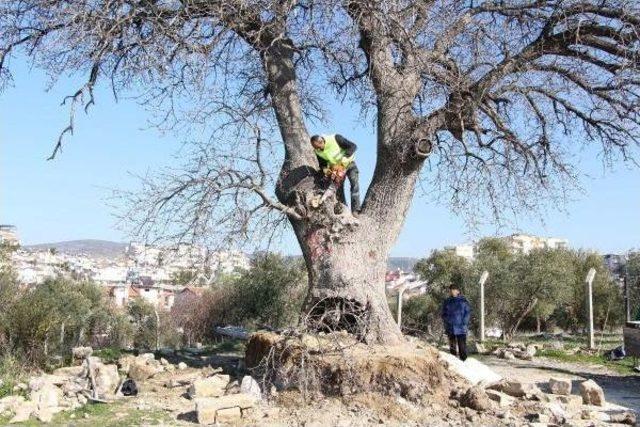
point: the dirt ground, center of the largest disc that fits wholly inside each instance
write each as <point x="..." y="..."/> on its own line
<point x="620" y="389"/>
<point x="157" y="404"/>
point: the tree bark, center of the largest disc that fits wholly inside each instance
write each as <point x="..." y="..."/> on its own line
<point x="345" y="256"/>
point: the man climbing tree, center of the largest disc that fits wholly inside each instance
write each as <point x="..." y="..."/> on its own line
<point x="336" y="156"/>
<point x="495" y="94"/>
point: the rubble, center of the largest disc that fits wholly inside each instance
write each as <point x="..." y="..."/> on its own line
<point x="502" y="399"/>
<point x="516" y="388"/>
<point x="476" y="398"/>
<point x="81" y="353"/>
<point x="251" y="387"/>
<point x="471" y="369"/>
<point x="66" y="389"/>
<point x="207" y="408"/>
<point x="141" y="371"/>
<point x="22" y="412"/>
<point x="214" y="386"/>
<point x="560" y="385"/>
<point x="592" y="393"/>
<point x="516" y="350"/>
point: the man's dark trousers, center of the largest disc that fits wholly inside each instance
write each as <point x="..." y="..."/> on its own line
<point x="353" y="177"/>
<point x="458" y="346"/>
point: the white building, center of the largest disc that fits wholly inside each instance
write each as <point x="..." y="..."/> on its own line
<point x="525" y="243"/>
<point x="466" y="251"/>
<point x="9" y="234"/>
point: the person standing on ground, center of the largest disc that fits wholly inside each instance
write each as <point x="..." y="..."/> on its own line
<point x="455" y="316"/>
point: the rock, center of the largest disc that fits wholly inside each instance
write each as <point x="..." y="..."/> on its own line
<point x="206" y="407"/>
<point x="170" y="368"/>
<point x="22" y="412"/>
<point x="571" y="401"/>
<point x="164" y="362"/>
<point x="558" y="414"/>
<point x="508" y="355"/>
<point x="538" y="418"/>
<point x="214" y="386"/>
<point x="10" y="403"/>
<point x="107" y="379"/>
<point x="140" y="371"/>
<point x="72" y="387"/>
<point x="476" y="398"/>
<point x="591" y="393"/>
<point x="476" y="348"/>
<point x="46" y="396"/>
<point x="623" y="417"/>
<point x="147" y="356"/>
<point x="44" y="415"/>
<point x="178" y="380"/>
<point x="523" y="355"/>
<point x="182" y="366"/>
<point x="531" y="350"/>
<point x="125" y="362"/>
<point x="36" y="383"/>
<point x="471" y="369"/>
<point x="205" y="412"/>
<point x="228" y="415"/>
<point x="502" y="399"/>
<point x="251" y="387"/>
<point x="71" y="371"/>
<point x="81" y="352"/>
<point x="560" y="385"/>
<point x="516" y="388"/>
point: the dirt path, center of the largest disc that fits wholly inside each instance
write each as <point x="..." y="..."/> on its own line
<point x="620" y="389"/>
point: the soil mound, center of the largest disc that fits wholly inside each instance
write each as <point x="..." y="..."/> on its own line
<point x="338" y="365"/>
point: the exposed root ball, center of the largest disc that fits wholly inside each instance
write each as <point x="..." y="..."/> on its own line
<point x="337" y="365"/>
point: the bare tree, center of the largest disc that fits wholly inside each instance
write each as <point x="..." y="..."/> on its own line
<point x="502" y="92"/>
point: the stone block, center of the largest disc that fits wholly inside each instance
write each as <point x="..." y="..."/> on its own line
<point x="592" y="393"/>
<point x="560" y="385"/>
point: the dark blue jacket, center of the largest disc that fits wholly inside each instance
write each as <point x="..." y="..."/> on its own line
<point x="455" y="315"/>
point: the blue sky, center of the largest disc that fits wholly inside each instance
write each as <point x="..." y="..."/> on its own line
<point x="67" y="198"/>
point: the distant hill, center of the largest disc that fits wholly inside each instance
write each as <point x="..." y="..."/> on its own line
<point x="403" y="263"/>
<point x="92" y="247"/>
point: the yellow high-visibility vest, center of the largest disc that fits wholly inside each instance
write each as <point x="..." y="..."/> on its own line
<point x="332" y="152"/>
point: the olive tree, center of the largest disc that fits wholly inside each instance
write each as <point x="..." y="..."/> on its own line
<point x="494" y="96"/>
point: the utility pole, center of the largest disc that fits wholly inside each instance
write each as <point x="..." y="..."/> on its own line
<point x="627" y="303"/>
<point x="483" y="278"/>
<point x="589" y="282"/>
<point x="400" y="292"/>
<point x="155" y="310"/>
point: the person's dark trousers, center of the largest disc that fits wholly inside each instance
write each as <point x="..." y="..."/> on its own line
<point x="354" y="176"/>
<point x="458" y="346"/>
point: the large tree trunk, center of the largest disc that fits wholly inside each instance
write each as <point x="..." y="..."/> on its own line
<point x="346" y="257"/>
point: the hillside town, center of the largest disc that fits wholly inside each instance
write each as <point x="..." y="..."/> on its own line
<point x="160" y="274"/>
<point x="157" y="274"/>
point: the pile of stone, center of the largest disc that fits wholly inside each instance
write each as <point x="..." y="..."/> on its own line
<point x="515" y="400"/>
<point x="141" y="368"/>
<point x="516" y="350"/>
<point x="558" y="407"/>
<point x="220" y="400"/>
<point x="65" y="389"/>
<point x="71" y="387"/>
